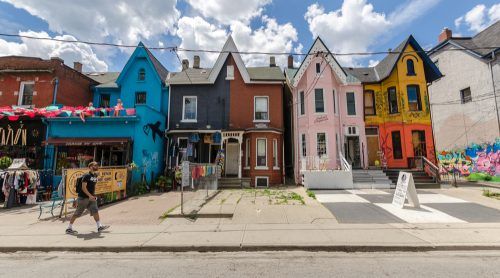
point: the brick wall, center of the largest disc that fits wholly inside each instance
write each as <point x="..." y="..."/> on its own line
<point x="74" y="88"/>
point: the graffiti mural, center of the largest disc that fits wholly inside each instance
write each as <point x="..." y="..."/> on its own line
<point x="476" y="158"/>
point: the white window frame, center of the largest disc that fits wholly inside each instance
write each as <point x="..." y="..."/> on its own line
<point x="324" y="102"/>
<point x="335" y="102"/>
<point x="257" y="154"/>
<point x="303" y="145"/>
<point x="326" y="145"/>
<point x="247" y="154"/>
<point x="230" y="72"/>
<point x="262" y="177"/>
<point x="275" y="155"/>
<point x="302" y="103"/>
<point x="21" y="92"/>
<point x="184" y="110"/>
<point x="347" y="105"/>
<point x="254" y="110"/>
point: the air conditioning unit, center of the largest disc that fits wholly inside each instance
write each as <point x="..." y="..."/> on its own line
<point x="351" y="131"/>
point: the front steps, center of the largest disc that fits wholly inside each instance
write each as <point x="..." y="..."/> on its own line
<point x="421" y="178"/>
<point x="375" y="179"/>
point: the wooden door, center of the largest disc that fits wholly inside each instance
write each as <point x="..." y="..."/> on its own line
<point x="232" y="152"/>
<point x="373" y="149"/>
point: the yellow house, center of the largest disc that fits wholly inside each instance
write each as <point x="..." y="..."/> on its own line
<point x="396" y="106"/>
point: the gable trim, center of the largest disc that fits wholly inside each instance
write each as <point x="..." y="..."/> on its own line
<point x="132" y="59"/>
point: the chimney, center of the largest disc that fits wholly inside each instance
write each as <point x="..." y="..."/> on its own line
<point x="445" y="35"/>
<point x="272" y="61"/>
<point x="185" y="64"/>
<point x="290" y="61"/>
<point x="78" y="66"/>
<point x="196" y="62"/>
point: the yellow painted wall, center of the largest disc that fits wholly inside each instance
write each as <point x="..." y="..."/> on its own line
<point x="399" y="79"/>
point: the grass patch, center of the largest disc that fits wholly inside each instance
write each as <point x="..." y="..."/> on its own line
<point x="223" y="201"/>
<point x="491" y="194"/>
<point x="311" y="194"/>
<point x="165" y="215"/>
<point x="292" y="196"/>
<point x="483" y="177"/>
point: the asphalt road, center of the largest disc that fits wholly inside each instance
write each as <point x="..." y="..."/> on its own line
<point x="251" y="264"/>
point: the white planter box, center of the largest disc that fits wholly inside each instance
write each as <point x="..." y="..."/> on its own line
<point x="329" y="179"/>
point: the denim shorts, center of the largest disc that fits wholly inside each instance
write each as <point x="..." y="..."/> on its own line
<point x="85" y="203"/>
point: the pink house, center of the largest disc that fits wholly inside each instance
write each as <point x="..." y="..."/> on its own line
<point x="327" y="114"/>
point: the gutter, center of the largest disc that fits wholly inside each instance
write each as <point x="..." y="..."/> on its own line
<point x="493" y="58"/>
<point x="54" y="97"/>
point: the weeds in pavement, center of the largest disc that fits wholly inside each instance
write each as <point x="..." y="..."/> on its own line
<point x="165" y="215"/>
<point x="311" y="194"/>
<point x="491" y="194"/>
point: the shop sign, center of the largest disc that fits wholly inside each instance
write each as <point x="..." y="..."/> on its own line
<point x="405" y="189"/>
<point x="108" y="180"/>
<point x="321" y="118"/>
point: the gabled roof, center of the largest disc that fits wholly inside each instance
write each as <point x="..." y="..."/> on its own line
<point x="317" y="47"/>
<point x="160" y="70"/>
<point x="385" y="67"/>
<point x="209" y="75"/>
<point x="105" y="79"/>
<point x="489" y="37"/>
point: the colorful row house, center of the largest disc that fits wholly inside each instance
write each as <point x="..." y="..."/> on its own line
<point x="396" y="107"/>
<point x="327" y="104"/>
<point x="230" y="109"/>
<point x="112" y="137"/>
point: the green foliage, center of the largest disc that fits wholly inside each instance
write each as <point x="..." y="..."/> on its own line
<point x="491" y="194"/>
<point x="5" y="162"/>
<point x="483" y="177"/>
<point x="139" y="188"/>
<point x="311" y="194"/>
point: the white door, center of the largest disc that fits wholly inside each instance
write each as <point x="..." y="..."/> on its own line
<point x="232" y="151"/>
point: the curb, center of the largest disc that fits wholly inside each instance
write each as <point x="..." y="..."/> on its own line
<point x="254" y="248"/>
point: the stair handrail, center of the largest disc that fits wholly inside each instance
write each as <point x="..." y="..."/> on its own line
<point x="433" y="169"/>
<point x="346" y="166"/>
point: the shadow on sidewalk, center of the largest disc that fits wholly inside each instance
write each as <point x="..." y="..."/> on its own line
<point x="91" y="235"/>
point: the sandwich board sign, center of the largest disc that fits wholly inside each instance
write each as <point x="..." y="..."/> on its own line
<point x="405" y="188"/>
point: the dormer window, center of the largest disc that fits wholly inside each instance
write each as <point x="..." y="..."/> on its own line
<point x="410" y="67"/>
<point x="142" y="75"/>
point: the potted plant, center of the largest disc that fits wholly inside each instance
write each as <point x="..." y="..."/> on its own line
<point x="5" y="162"/>
<point x="161" y="183"/>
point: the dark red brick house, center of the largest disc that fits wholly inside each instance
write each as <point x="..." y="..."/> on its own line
<point x="35" y="82"/>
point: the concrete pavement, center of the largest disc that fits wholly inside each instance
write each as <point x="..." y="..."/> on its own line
<point x="175" y="236"/>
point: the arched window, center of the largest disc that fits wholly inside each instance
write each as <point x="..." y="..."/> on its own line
<point x="410" y="67"/>
<point x="142" y="75"/>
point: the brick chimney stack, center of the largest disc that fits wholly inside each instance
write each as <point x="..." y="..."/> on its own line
<point x="78" y="66"/>
<point x="185" y="64"/>
<point x="196" y="62"/>
<point x="445" y="35"/>
<point x="290" y="61"/>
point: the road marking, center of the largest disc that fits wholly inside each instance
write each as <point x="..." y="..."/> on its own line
<point x="423" y="215"/>
<point x="368" y="192"/>
<point x="438" y="199"/>
<point x="340" y="198"/>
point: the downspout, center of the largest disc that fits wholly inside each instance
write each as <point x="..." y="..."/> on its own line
<point x="493" y="58"/>
<point x="44" y="121"/>
<point x="56" y="84"/>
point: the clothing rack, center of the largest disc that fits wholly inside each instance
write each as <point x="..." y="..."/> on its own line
<point x="17" y="183"/>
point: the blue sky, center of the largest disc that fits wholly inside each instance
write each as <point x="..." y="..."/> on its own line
<point x="256" y="25"/>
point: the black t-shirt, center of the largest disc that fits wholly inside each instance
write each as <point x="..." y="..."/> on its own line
<point x="91" y="180"/>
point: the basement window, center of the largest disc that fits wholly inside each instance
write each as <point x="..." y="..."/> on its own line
<point x="465" y="95"/>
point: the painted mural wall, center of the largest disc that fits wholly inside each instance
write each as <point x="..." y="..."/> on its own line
<point x="475" y="158"/>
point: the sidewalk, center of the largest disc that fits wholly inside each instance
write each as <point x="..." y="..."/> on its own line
<point x="176" y="236"/>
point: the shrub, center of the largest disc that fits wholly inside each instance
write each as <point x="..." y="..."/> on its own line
<point x="5" y="162"/>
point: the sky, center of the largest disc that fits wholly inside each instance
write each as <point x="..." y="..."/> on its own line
<point x="282" y="26"/>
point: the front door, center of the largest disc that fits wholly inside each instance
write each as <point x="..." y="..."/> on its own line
<point x="232" y="152"/>
<point x="419" y="145"/>
<point x="353" y="154"/>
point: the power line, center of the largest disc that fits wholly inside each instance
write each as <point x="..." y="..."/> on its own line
<point x="239" y="52"/>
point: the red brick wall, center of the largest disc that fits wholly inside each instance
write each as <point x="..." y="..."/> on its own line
<point x="242" y="101"/>
<point x="74" y="87"/>
<point x="275" y="175"/>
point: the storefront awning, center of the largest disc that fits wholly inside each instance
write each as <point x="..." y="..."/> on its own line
<point x="86" y="141"/>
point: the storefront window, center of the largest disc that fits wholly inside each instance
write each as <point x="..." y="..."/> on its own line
<point x="73" y="157"/>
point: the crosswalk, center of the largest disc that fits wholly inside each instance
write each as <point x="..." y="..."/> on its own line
<point x="375" y="206"/>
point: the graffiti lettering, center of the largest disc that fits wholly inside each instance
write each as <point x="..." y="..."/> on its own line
<point x="484" y="158"/>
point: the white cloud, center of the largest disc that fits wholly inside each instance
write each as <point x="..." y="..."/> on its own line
<point x="356" y="26"/>
<point x="373" y="63"/>
<point x="99" y="20"/>
<point x="198" y="33"/>
<point x="69" y="52"/>
<point x="479" y="17"/>
<point x="227" y="11"/>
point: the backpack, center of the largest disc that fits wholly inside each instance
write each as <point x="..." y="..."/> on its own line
<point x="79" y="190"/>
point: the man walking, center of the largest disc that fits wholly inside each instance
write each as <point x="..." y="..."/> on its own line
<point x="87" y="199"/>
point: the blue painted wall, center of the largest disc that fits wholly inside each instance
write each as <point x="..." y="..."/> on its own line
<point x="147" y="149"/>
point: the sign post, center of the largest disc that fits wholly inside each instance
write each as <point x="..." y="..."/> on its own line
<point x="405" y="188"/>
<point x="185" y="182"/>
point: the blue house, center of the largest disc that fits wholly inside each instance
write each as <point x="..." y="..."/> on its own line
<point x="136" y="134"/>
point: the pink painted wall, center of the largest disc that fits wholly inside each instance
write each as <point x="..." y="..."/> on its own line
<point x="328" y="122"/>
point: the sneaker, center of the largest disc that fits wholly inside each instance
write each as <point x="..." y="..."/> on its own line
<point x="71" y="231"/>
<point x="102" y="228"/>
